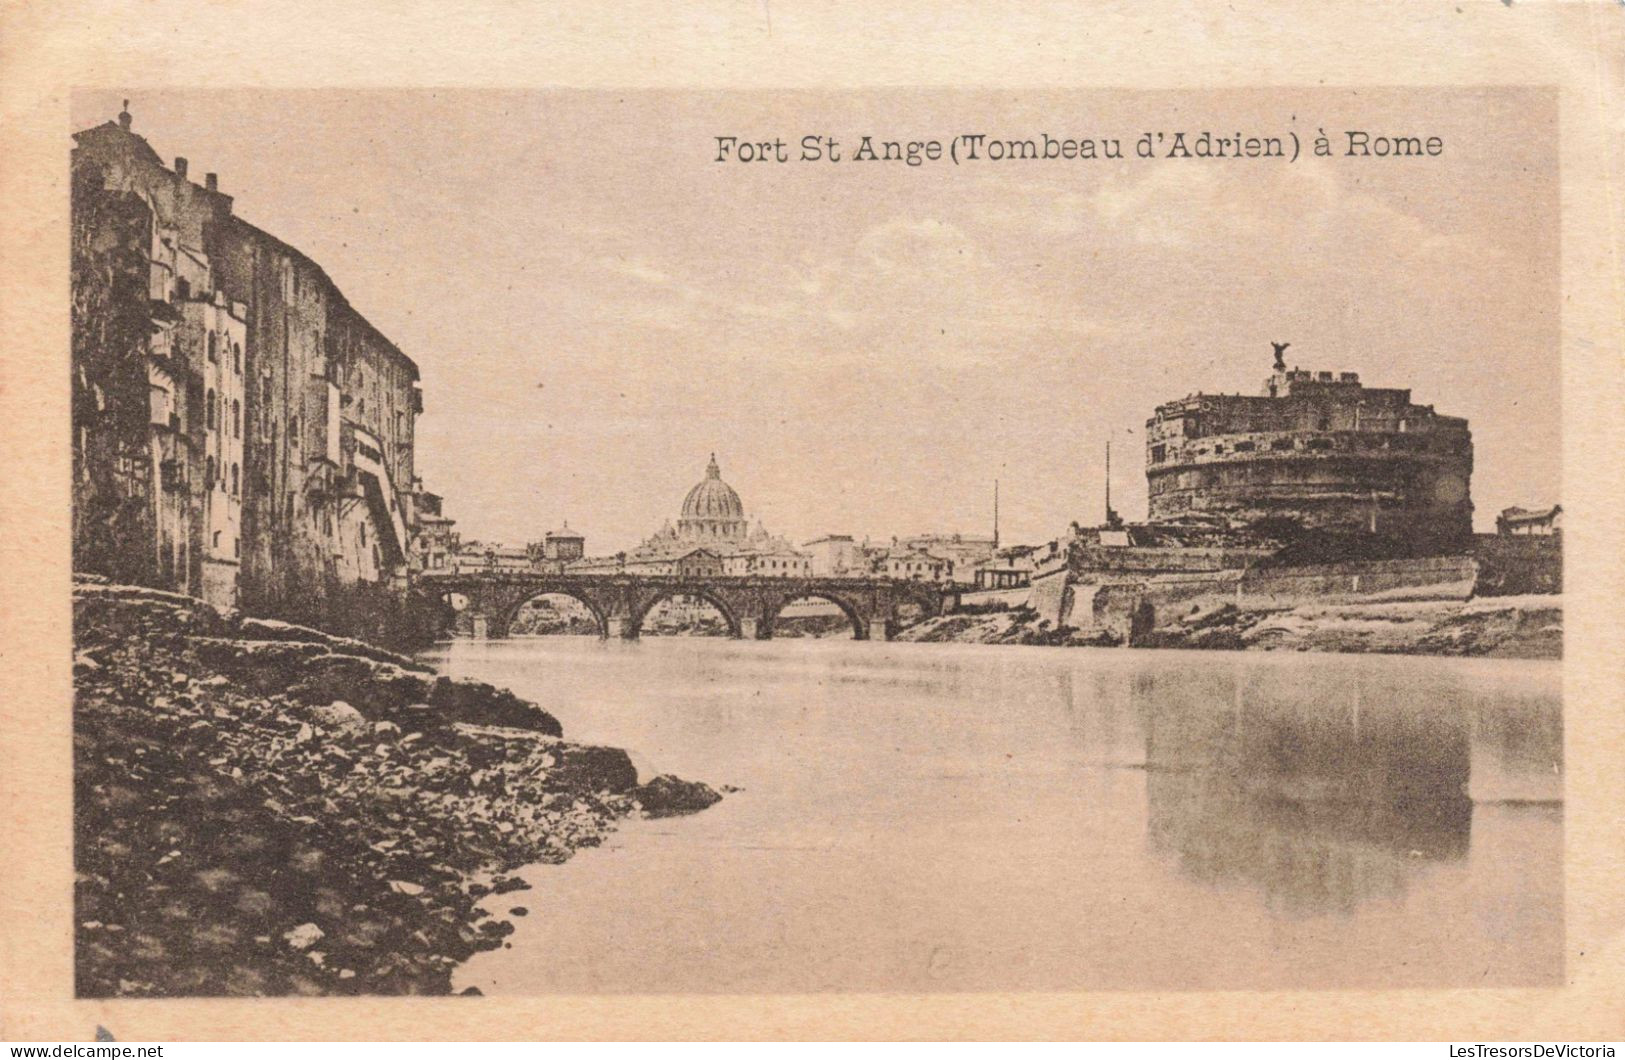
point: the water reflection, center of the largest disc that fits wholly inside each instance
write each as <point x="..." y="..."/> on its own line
<point x="962" y="818"/>
<point x="1324" y="793"/>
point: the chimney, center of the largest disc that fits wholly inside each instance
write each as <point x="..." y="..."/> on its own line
<point x="211" y="181"/>
<point x="180" y="167"/>
<point x="124" y="117"/>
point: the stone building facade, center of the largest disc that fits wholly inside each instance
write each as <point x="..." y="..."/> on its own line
<point x="961" y="554"/>
<point x="1317" y="449"/>
<point x="436" y="543"/>
<point x="267" y="462"/>
<point x="564" y="545"/>
<point x="835" y="556"/>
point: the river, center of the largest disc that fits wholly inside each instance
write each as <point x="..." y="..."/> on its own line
<point x="947" y="817"/>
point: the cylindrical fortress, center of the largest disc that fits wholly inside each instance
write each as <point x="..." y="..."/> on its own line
<point x="1321" y="450"/>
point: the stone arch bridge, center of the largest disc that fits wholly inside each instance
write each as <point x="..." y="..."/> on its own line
<point x="619" y="602"/>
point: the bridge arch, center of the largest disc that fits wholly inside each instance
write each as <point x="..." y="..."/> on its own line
<point x="730" y="614"/>
<point x="561" y="589"/>
<point x="924" y="595"/>
<point x="434" y="613"/>
<point x="859" y="620"/>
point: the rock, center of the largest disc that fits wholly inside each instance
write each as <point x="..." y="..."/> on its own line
<point x="478" y="703"/>
<point x="472" y="991"/>
<point x="271" y="629"/>
<point x="668" y="796"/>
<point x="377" y="689"/>
<point x="253" y="769"/>
<point x="340" y="717"/>
<point x="592" y="768"/>
<point x="304" y="936"/>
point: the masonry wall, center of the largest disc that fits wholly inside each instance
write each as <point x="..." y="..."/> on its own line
<point x="1327" y="454"/>
<point x="261" y="452"/>
<point x="1050" y="597"/>
<point x="1514" y="565"/>
<point x="113" y="518"/>
<point x="1131" y="607"/>
<point x="1427" y="578"/>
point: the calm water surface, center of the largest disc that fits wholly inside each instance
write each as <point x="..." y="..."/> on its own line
<point x="923" y="817"/>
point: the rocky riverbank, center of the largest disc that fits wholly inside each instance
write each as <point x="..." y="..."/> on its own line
<point x="1520" y="627"/>
<point x="263" y="809"/>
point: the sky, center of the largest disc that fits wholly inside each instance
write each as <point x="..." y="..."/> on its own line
<point x="596" y="304"/>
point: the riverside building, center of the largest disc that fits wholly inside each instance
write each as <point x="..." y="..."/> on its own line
<point x="241" y="432"/>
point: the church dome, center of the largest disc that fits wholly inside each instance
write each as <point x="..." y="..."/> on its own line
<point x="713" y="498"/>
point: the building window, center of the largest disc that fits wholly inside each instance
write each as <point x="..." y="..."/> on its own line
<point x="214" y="353"/>
<point x="237" y="357"/>
<point x="208" y="474"/>
<point x="208" y="410"/>
<point x="236" y="546"/>
<point x="236" y="418"/>
<point x="217" y="539"/>
<point x="293" y="431"/>
<point x="234" y="482"/>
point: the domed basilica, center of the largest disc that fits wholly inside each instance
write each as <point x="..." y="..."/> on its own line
<point x="712" y="510"/>
<point x="712" y="536"/>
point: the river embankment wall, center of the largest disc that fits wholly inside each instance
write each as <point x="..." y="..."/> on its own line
<point x="1515" y="627"/>
<point x="1209" y="599"/>
<point x="1136" y="589"/>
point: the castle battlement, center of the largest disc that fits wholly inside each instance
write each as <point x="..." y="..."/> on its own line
<point x="1318" y="448"/>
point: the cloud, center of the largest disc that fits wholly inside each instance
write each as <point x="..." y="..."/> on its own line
<point x="917" y="249"/>
<point x="639" y="269"/>
<point x="904" y="275"/>
<point x="1191" y="207"/>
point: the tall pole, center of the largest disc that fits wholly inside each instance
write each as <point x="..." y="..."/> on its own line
<point x="995" y="515"/>
<point x="1108" y="482"/>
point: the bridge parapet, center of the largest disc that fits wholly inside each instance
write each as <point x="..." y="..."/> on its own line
<point x="750" y="604"/>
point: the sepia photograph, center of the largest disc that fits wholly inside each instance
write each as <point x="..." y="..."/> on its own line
<point x="797" y="542"/>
